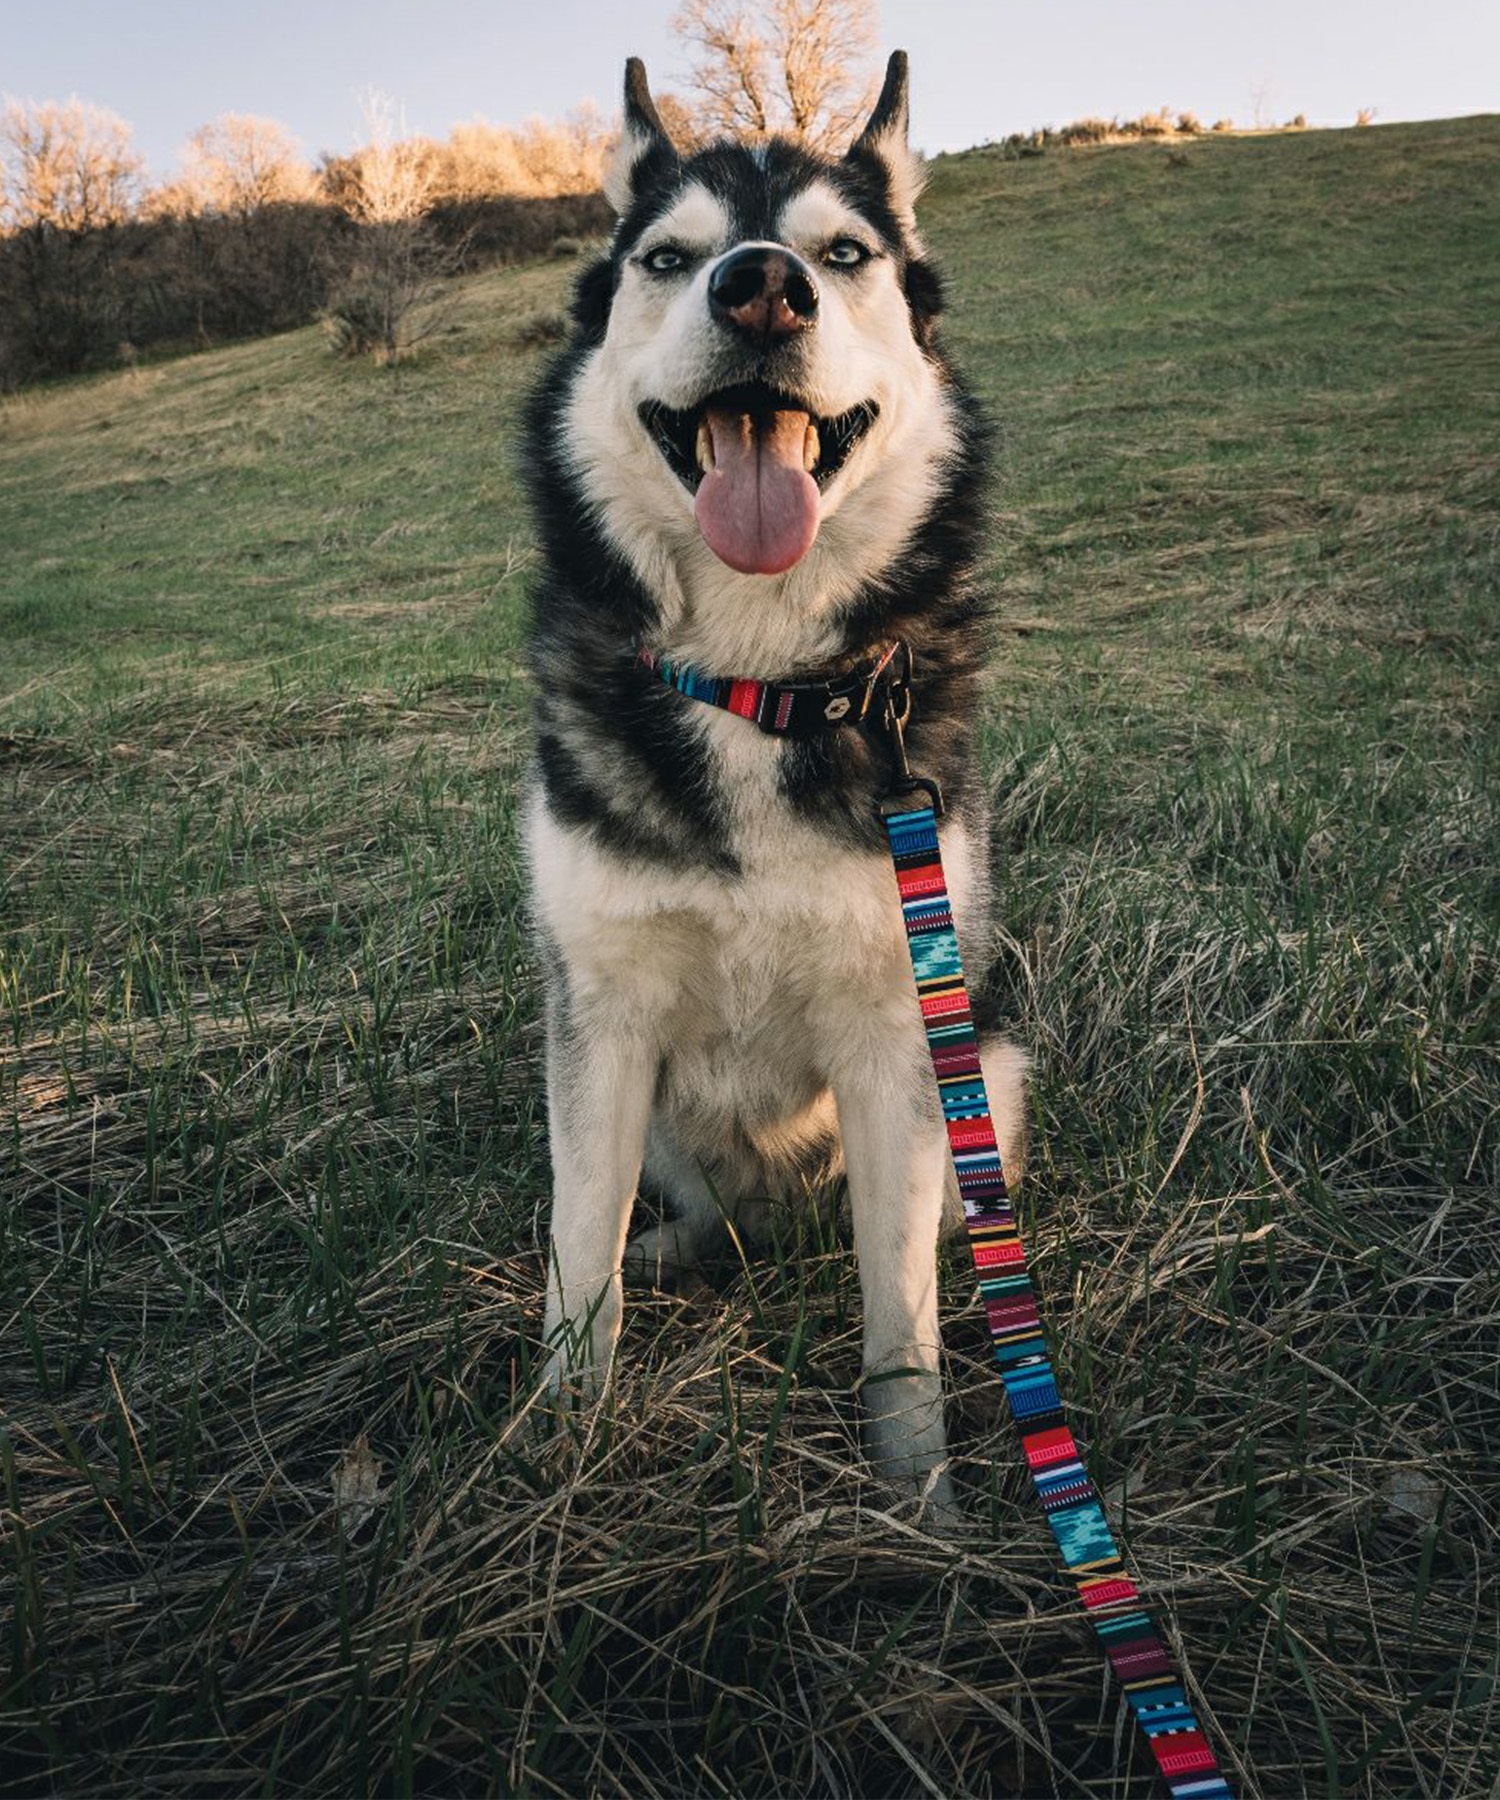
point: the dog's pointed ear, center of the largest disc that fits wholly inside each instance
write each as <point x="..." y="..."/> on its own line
<point x="643" y="144"/>
<point x="884" y="140"/>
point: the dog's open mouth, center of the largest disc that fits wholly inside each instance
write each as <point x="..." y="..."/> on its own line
<point x="755" y="460"/>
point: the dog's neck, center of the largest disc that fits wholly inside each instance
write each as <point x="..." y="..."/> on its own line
<point x="765" y="628"/>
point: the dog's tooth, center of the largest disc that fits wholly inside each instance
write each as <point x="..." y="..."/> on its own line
<point x="705" y="447"/>
<point x="812" y="448"/>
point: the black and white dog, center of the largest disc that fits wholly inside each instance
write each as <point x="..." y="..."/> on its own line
<point x="753" y="460"/>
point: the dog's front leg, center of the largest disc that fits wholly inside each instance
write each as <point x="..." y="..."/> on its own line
<point x="600" y="1078"/>
<point x="896" y="1154"/>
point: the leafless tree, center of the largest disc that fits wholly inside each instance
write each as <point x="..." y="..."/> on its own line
<point x="481" y="159"/>
<point x="684" y="124"/>
<point x="70" y="183"/>
<point x="393" y="176"/>
<point x="542" y="158"/>
<point x="385" y="300"/>
<point x="804" y="67"/>
<point x="568" y="156"/>
<point x="66" y="165"/>
<point x="240" y="164"/>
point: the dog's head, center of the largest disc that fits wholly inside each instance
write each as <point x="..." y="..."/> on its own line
<point x="756" y="384"/>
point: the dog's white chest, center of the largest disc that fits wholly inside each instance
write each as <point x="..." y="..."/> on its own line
<point x="764" y="966"/>
<point x="799" y="919"/>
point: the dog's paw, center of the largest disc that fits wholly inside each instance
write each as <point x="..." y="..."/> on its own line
<point x="930" y="1504"/>
<point x="660" y="1256"/>
<point x="566" y="1383"/>
<point x="577" y="1364"/>
<point x="906" y="1445"/>
<point x="937" y="1508"/>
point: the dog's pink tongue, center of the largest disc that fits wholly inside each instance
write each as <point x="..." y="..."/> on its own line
<point x="758" y="506"/>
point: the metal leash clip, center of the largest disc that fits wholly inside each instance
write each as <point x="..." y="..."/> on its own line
<point x="896" y="688"/>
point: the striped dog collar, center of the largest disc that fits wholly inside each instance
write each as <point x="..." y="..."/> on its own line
<point x="782" y="708"/>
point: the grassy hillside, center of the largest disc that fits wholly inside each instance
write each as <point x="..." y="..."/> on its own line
<point x="277" y="1519"/>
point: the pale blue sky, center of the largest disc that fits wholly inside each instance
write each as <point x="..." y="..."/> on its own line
<point x="979" y="70"/>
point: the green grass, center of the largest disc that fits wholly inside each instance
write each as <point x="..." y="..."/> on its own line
<point x="275" y="1175"/>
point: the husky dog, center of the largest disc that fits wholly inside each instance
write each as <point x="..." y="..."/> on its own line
<point x="753" y="461"/>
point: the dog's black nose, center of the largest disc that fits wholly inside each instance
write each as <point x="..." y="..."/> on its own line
<point x="763" y="292"/>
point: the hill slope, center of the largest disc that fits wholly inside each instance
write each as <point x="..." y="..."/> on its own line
<point x="268" y="1232"/>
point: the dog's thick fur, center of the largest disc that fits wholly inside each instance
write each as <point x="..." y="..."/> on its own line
<point x="730" y="1010"/>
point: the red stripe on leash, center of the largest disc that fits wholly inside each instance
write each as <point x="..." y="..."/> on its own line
<point x="1044" y="1448"/>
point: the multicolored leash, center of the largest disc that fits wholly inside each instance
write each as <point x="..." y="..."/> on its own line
<point x="1068" y="1496"/>
<point x="910" y="812"/>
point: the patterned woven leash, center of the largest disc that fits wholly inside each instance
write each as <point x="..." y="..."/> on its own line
<point x="1069" y="1498"/>
<point x="910" y="812"/>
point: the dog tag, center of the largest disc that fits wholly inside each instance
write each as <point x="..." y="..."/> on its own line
<point x="835" y="709"/>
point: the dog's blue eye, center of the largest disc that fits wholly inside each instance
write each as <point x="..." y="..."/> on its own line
<point x="665" y="261"/>
<point x="845" y="253"/>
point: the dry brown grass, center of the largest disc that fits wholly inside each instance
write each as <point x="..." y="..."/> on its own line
<point x="326" y="1522"/>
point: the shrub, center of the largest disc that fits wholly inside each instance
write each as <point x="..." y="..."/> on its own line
<point x="353" y="324"/>
<point x="1088" y="131"/>
<point x="539" y="329"/>
<point x="504" y="228"/>
<point x="389" y="295"/>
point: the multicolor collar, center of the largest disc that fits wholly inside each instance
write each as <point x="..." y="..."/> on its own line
<point x="789" y="708"/>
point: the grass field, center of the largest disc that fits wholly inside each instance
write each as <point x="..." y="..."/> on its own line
<point x="276" y="1517"/>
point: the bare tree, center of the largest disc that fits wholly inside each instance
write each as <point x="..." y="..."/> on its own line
<point x="240" y="164"/>
<point x="804" y="67"/>
<point x="384" y="302"/>
<point x="481" y="159"/>
<point x="70" y="179"/>
<point x="566" y="157"/>
<point x="731" y="68"/>
<point x="393" y="176"/>
<point x="69" y="166"/>
<point x="238" y="230"/>
<point x="542" y="158"/>
<point x="684" y="124"/>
